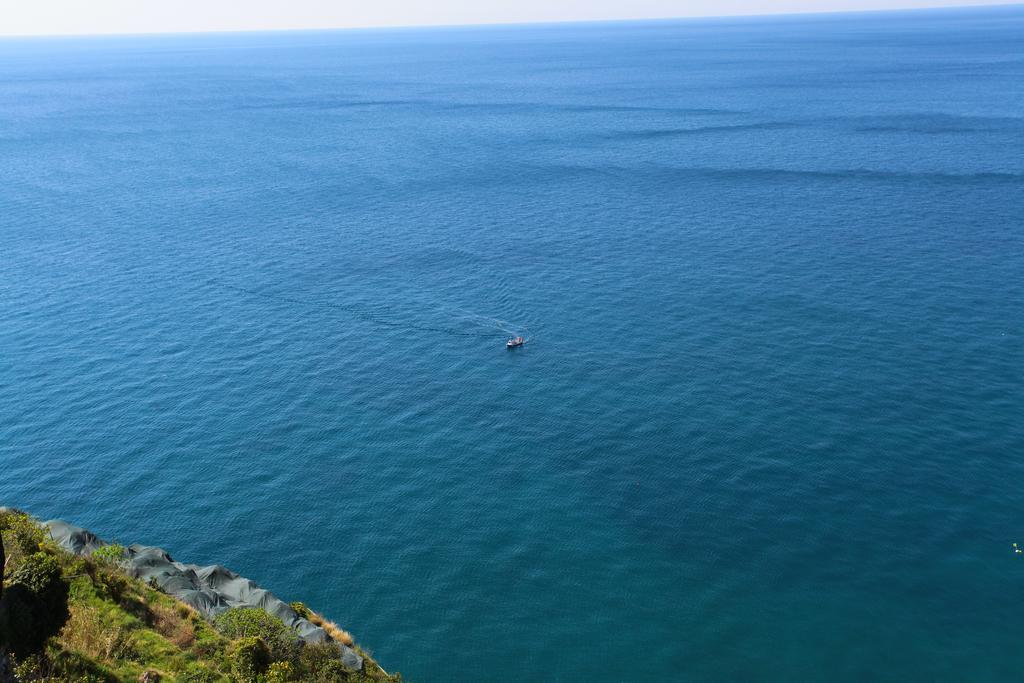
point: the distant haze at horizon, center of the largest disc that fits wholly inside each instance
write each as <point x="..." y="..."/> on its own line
<point x="70" y="17"/>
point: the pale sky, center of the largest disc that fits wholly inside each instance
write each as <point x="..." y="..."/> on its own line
<point x="49" y="17"/>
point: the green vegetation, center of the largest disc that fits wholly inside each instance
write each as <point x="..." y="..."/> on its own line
<point x="113" y="553"/>
<point x="65" y="618"/>
<point x="35" y="605"/>
<point x="281" y="642"/>
<point x="250" y="659"/>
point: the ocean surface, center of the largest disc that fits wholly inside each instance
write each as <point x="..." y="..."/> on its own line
<point x="769" y="423"/>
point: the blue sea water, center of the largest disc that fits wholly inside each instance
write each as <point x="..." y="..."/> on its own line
<point x="255" y="288"/>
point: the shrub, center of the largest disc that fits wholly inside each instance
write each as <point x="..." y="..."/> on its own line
<point x="32" y="668"/>
<point x="249" y="621"/>
<point x="321" y="662"/>
<point x="59" y="667"/>
<point x="110" y="583"/>
<point x="23" y="536"/>
<point x="34" y="606"/>
<point x="112" y="554"/>
<point x="197" y="674"/>
<point x="279" y="672"/>
<point x="37" y="573"/>
<point x="250" y="659"/>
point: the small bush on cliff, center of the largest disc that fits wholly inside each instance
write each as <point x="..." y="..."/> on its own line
<point x="21" y="535"/>
<point x="320" y="662"/>
<point x="111" y="584"/>
<point x="59" y="667"/>
<point x="280" y="672"/>
<point x="250" y="659"/>
<point x="35" y="605"/>
<point x="301" y="609"/>
<point x="112" y="554"/>
<point x="244" y="622"/>
<point x="195" y="673"/>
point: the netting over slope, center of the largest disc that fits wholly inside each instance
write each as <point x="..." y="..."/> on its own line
<point x="210" y="590"/>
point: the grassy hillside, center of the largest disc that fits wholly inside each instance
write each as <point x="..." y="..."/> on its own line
<point x="68" y="618"/>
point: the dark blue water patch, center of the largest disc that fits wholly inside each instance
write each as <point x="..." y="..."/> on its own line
<point x="492" y="108"/>
<point x="632" y="176"/>
<point x="699" y="130"/>
<point x="939" y="124"/>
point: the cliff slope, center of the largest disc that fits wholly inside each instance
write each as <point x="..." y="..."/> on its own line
<point x="74" y="608"/>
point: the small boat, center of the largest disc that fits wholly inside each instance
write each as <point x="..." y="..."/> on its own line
<point x="514" y="342"/>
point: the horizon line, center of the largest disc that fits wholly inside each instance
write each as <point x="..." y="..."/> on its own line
<point x="512" y="24"/>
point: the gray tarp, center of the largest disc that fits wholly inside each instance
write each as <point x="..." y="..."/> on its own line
<point x="210" y="590"/>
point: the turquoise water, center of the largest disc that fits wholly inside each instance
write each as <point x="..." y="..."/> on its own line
<point x="254" y="293"/>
